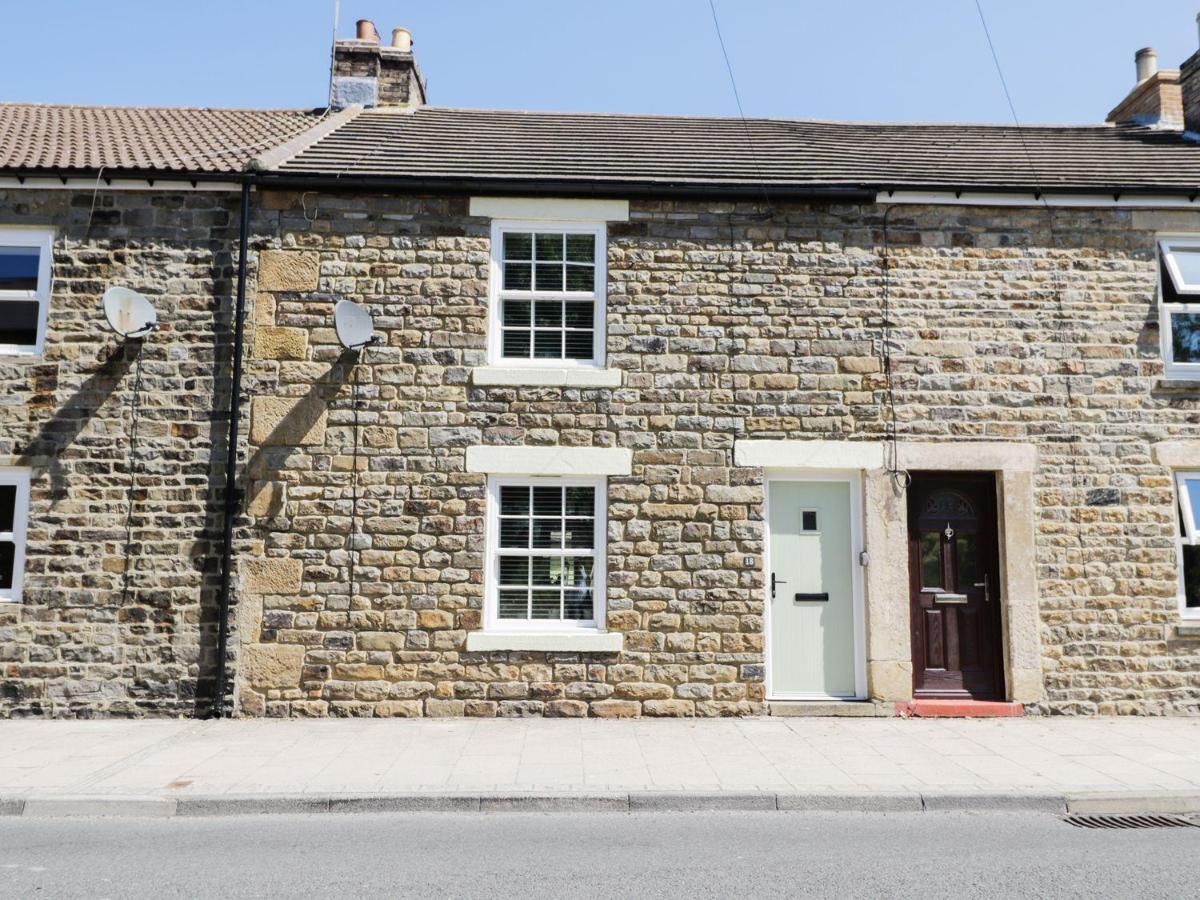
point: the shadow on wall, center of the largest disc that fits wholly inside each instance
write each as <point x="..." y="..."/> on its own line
<point x="44" y="450"/>
<point x="304" y="417"/>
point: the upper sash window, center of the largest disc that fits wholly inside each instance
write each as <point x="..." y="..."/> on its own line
<point x="1179" y="306"/>
<point x="24" y="289"/>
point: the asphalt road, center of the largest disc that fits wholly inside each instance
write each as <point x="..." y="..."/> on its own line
<point x="599" y="855"/>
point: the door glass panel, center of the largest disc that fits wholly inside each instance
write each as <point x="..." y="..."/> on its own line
<point x="966" y="551"/>
<point x="931" y="559"/>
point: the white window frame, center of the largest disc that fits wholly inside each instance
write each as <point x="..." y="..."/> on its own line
<point x="496" y="293"/>
<point x="1166" y="245"/>
<point x="492" y="621"/>
<point x="1189" y="535"/>
<point x="43" y="239"/>
<point x="11" y="475"/>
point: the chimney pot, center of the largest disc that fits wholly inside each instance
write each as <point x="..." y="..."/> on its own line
<point x="366" y="31"/>
<point x="402" y="39"/>
<point x="1146" y="61"/>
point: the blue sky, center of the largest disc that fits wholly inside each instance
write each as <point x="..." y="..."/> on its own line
<point x="900" y="60"/>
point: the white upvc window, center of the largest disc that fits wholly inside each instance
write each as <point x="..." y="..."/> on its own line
<point x="547" y="291"/>
<point x="1187" y="494"/>
<point x="25" y="256"/>
<point x="1179" y="306"/>
<point x="545" y="559"/>
<point x="14" y="518"/>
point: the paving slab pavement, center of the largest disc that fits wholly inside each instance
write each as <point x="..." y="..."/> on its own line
<point x="187" y="767"/>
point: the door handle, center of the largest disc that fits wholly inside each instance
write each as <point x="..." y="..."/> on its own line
<point x="775" y="581"/>
<point x="987" y="588"/>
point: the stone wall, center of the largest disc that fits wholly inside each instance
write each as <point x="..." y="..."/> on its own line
<point x="359" y="582"/>
<point x="728" y="322"/>
<point x="117" y="613"/>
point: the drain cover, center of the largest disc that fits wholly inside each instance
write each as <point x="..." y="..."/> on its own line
<point x="1130" y="822"/>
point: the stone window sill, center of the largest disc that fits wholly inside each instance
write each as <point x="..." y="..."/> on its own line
<point x="1177" y="384"/>
<point x="557" y="642"/>
<point x="566" y="376"/>
<point x="1188" y="628"/>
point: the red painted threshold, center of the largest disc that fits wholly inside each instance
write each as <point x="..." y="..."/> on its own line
<point x="960" y="709"/>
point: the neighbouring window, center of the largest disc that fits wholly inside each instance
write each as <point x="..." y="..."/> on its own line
<point x="547" y="553"/>
<point x="24" y="289"/>
<point x="1187" y="491"/>
<point x="550" y="294"/>
<point x="14" y="515"/>
<point x="1179" y="306"/>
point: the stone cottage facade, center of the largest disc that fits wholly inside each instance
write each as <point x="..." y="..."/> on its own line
<point x="907" y="424"/>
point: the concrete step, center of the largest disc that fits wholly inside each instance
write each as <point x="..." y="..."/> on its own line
<point x="827" y="708"/>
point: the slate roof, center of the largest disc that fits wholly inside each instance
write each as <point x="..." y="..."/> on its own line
<point x="498" y="147"/>
<point x="502" y="145"/>
<point x="37" y="137"/>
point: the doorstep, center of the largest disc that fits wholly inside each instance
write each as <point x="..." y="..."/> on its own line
<point x="855" y="708"/>
<point x="959" y="709"/>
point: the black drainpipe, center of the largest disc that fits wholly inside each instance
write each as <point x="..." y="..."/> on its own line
<point x="231" y="451"/>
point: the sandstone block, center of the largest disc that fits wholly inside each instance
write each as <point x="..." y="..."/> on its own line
<point x="406" y="709"/>
<point x="272" y="576"/>
<point x="615" y="709"/>
<point x="266" y="498"/>
<point x="287" y="421"/>
<point x="288" y="270"/>
<point x="280" y="343"/>
<point x="272" y="665"/>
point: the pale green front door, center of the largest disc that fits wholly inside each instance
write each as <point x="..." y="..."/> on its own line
<point x="811" y="589"/>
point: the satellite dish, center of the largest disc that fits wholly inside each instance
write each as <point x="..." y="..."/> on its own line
<point x="353" y="324"/>
<point x="129" y="313"/>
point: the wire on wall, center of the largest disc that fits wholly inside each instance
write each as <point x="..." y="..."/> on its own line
<point x="900" y="477"/>
<point x="1055" y="269"/>
<point x="134" y="416"/>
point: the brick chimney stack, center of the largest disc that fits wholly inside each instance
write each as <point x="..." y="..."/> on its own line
<point x="372" y="75"/>
<point x="1156" y="100"/>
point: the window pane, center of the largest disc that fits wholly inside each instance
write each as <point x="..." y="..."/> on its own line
<point x="580" y="501"/>
<point x="577" y="605"/>
<point x="8" y="504"/>
<point x="581" y="278"/>
<point x="548" y="345"/>
<point x="514" y="570"/>
<point x="581" y="248"/>
<point x="578" y="345"/>
<point x="547" y="501"/>
<point x="8" y="551"/>
<point x="1185" y="337"/>
<point x="547" y="532"/>
<point x="1191" y="490"/>
<point x="549" y="247"/>
<point x="579" y="315"/>
<point x="1191" y="575"/>
<point x="517" y="277"/>
<point x="580" y="534"/>
<point x="547" y="570"/>
<point x="514" y="532"/>
<point x="19" y="321"/>
<point x="1188" y="264"/>
<point x="18" y="268"/>
<point x="546" y="604"/>
<point x="518" y="245"/>
<point x="514" y="604"/>
<point x="548" y="313"/>
<point x="514" y="500"/>
<point x="517" y="313"/>
<point x="931" y="559"/>
<point x="515" y="343"/>
<point x="577" y="571"/>
<point x="550" y="277"/>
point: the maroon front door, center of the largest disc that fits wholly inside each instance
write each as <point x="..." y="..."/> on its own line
<point x="955" y="586"/>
